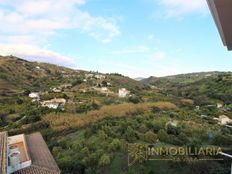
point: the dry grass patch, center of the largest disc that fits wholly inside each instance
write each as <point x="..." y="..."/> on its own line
<point x="63" y="121"/>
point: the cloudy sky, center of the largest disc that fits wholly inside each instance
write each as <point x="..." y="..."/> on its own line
<point x="138" y="38"/>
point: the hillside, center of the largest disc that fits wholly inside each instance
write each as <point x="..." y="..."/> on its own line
<point x="179" y="79"/>
<point x="88" y="125"/>
<point x="204" y="86"/>
<point x="17" y="74"/>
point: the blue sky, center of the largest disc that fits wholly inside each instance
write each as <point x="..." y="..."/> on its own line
<point x="137" y="38"/>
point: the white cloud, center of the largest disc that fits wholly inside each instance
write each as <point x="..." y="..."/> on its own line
<point x="138" y="49"/>
<point x="34" y="53"/>
<point x="28" y="24"/>
<point x="94" y="25"/>
<point x="45" y="17"/>
<point x="176" y="8"/>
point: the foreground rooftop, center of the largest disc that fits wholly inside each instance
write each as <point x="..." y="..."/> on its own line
<point x="26" y="154"/>
<point x="222" y="12"/>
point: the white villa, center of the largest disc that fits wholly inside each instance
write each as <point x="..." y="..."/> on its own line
<point x="123" y="92"/>
<point x="108" y="84"/>
<point x="104" y="89"/>
<point x="57" y="90"/>
<point x="89" y="75"/>
<point x="99" y="76"/>
<point x="223" y="120"/>
<point x="54" y="103"/>
<point x="219" y="105"/>
<point x="34" y="95"/>
<point x="65" y="86"/>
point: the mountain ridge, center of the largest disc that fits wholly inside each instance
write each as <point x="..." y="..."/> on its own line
<point x="17" y="74"/>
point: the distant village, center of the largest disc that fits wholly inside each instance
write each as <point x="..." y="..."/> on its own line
<point x="101" y="88"/>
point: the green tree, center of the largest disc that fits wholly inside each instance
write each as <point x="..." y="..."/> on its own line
<point x="115" y="145"/>
<point x="77" y="82"/>
<point x="26" y="92"/>
<point x="162" y="135"/>
<point x="130" y="135"/>
<point x="143" y="128"/>
<point x="174" y="130"/>
<point x="150" y="137"/>
<point x="104" y="83"/>
<point x="134" y="99"/>
<point x="104" y="160"/>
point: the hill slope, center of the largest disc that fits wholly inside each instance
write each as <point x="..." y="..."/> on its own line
<point x="199" y="86"/>
<point x="179" y="79"/>
<point x="17" y="75"/>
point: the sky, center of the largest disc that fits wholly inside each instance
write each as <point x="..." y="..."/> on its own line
<point x="137" y="38"/>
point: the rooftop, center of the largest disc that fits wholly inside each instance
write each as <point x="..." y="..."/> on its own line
<point x="27" y="154"/>
<point x="222" y="12"/>
<point x="40" y="154"/>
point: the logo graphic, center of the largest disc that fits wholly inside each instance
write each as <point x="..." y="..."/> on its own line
<point x="139" y="153"/>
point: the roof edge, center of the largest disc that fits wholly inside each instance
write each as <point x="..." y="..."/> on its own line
<point x="214" y="12"/>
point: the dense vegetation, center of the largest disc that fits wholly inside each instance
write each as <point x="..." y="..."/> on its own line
<point x="90" y="134"/>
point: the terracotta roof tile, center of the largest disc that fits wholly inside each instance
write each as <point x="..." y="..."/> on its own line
<point x="42" y="159"/>
<point x="35" y="170"/>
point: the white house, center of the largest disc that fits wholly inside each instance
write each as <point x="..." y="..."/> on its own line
<point x="104" y="89"/>
<point x="219" y="105"/>
<point x="224" y="120"/>
<point x="34" y="95"/>
<point x="89" y="76"/>
<point x="65" y="86"/>
<point x="108" y="84"/>
<point x="57" y="90"/>
<point x="54" y="103"/>
<point x="123" y="92"/>
<point x="173" y="123"/>
<point x="99" y="76"/>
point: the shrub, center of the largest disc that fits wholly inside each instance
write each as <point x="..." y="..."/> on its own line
<point x="27" y="92"/>
<point x="150" y="137"/>
<point x="104" y="160"/>
<point x="173" y="129"/>
<point x="130" y="135"/>
<point x="77" y="82"/>
<point x="163" y="136"/>
<point x="134" y="99"/>
<point x="143" y="128"/>
<point x="115" y="145"/>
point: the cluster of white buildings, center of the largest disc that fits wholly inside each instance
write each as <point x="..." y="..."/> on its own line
<point x="61" y="88"/>
<point x="97" y="76"/>
<point x="52" y="104"/>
